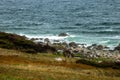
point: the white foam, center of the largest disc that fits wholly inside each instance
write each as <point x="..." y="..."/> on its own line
<point x="103" y="42"/>
<point x="113" y="37"/>
<point x="51" y="37"/>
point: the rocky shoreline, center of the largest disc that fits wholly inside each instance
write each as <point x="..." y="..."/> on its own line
<point x="96" y="53"/>
<point x="72" y="48"/>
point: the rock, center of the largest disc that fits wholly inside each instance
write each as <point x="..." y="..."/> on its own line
<point x="33" y="39"/>
<point x="94" y="45"/>
<point x="59" y="59"/>
<point x="72" y="44"/>
<point x="117" y="62"/>
<point x="68" y="53"/>
<point x="47" y="41"/>
<point x="56" y="41"/>
<point x="65" y="44"/>
<point x="63" y="34"/>
<point x="59" y="51"/>
<point x="100" y="47"/>
<point x="41" y="38"/>
<point x="117" y="47"/>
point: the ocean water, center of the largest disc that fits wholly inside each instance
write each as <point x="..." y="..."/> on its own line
<point x="86" y="21"/>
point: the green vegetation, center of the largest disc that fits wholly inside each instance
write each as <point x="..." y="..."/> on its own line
<point x="16" y="65"/>
<point x="5" y="77"/>
<point x="21" y="43"/>
<point x="102" y="63"/>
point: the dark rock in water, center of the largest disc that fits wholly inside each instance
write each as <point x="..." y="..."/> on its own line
<point x="72" y="44"/>
<point x="94" y="45"/>
<point x="117" y="47"/>
<point x="63" y="34"/>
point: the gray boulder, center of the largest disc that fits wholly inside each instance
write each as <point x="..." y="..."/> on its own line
<point x="73" y="44"/>
<point x="99" y="47"/>
<point x="63" y="34"/>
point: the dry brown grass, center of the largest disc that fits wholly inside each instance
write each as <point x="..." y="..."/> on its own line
<point x="22" y="66"/>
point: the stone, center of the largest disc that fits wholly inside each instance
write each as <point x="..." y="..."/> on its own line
<point x="63" y="34"/>
<point x="72" y="44"/>
<point x="99" y="47"/>
<point x="65" y="44"/>
<point x="68" y="53"/>
<point x="117" y="47"/>
<point x="59" y="59"/>
<point x="46" y="40"/>
<point x="56" y="41"/>
<point x="33" y="39"/>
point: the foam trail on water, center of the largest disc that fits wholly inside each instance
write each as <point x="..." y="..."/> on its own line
<point x="104" y="42"/>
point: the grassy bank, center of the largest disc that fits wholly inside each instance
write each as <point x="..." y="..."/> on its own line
<point x="21" y="43"/>
<point x="15" y="65"/>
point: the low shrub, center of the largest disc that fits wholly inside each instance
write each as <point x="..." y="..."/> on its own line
<point x="104" y="64"/>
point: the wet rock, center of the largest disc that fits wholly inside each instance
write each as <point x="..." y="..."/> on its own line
<point x="33" y="39"/>
<point x="72" y="44"/>
<point x="56" y="41"/>
<point x="94" y="45"/>
<point x="63" y="34"/>
<point x="41" y="38"/>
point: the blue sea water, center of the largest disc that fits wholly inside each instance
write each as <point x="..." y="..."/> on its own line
<point x="87" y="21"/>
